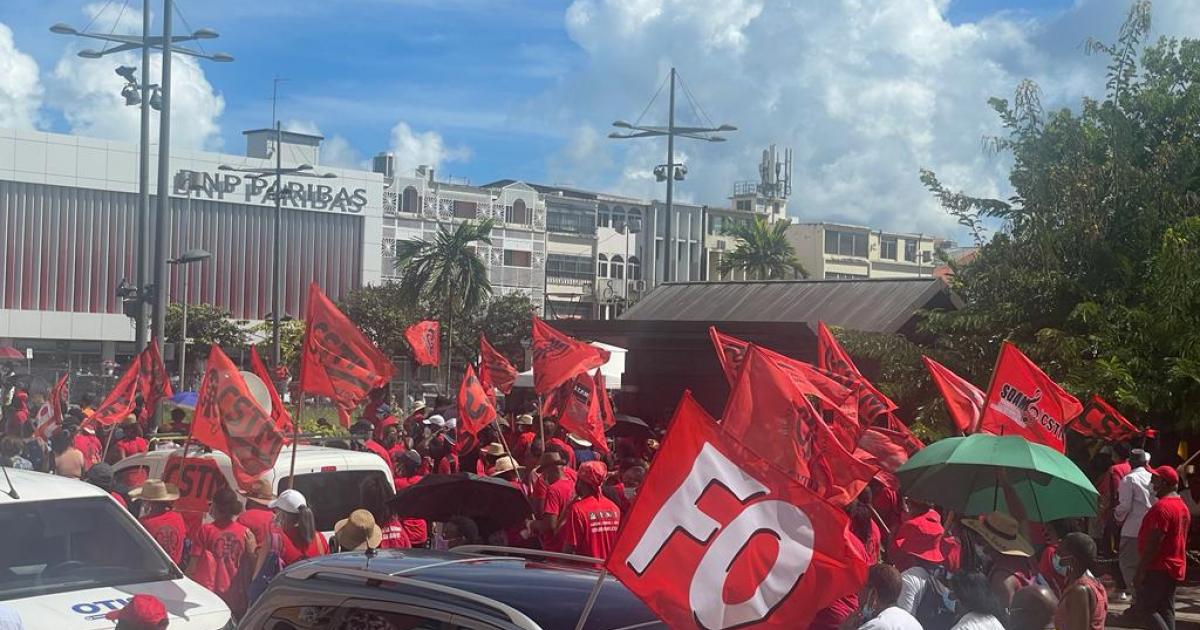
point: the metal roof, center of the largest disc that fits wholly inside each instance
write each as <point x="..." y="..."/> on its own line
<point x="883" y="305"/>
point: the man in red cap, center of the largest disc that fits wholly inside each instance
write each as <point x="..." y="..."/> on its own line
<point x="1162" y="545"/>
<point x="590" y="523"/>
<point x="143" y="612"/>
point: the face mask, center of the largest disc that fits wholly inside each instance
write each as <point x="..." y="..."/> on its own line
<point x="948" y="601"/>
<point x="1059" y="566"/>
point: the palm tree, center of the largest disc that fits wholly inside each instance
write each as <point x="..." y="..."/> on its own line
<point x="446" y="272"/>
<point x="763" y="251"/>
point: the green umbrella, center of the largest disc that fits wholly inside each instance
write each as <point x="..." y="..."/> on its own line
<point x="963" y="474"/>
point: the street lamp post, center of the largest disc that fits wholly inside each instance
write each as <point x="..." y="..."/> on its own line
<point x="669" y="171"/>
<point x="145" y="42"/>
<point x="185" y="259"/>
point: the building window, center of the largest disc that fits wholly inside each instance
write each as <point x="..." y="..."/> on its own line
<point x="846" y="243"/>
<point x="887" y="248"/>
<point x="635" y="268"/>
<point x="514" y="258"/>
<point x="744" y="205"/>
<point x="618" y="267"/>
<point x="601" y="266"/>
<point x="572" y="269"/>
<point x="411" y="201"/>
<point x="570" y="221"/>
<point x="516" y="213"/>
<point x="603" y="217"/>
<point x="716" y="224"/>
<point x="634" y="219"/>
<point x="910" y="250"/>
<point x="927" y="257"/>
<point x="618" y="219"/>
<point x="464" y="209"/>
<point x="833" y="275"/>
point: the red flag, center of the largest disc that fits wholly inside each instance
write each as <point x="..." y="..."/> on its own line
<point x="886" y="449"/>
<point x="608" y="418"/>
<point x="833" y="359"/>
<point x="228" y="419"/>
<point x="338" y="361"/>
<point x="153" y="382"/>
<point x="773" y="418"/>
<point x="558" y="358"/>
<point x="494" y="369"/>
<point x="717" y="538"/>
<point x="475" y="410"/>
<point x="1099" y="420"/>
<point x="279" y="414"/>
<point x="54" y="402"/>
<point x="426" y="340"/>
<point x="579" y="411"/>
<point x="964" y="401"/>
<point x="1024" y="401"/>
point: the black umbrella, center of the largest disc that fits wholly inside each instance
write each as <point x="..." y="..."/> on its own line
<point x="493" y="503"/>
<point x="629" y="426"/>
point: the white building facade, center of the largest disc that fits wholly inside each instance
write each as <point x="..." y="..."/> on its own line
<point x="833" y="251"/>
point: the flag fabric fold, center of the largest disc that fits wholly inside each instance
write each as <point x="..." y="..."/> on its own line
<point x="607" y="416"/>
<point x="1099" y="420"/>
<point x="558" y="358"/>
<point x="494" y="369"/>
<point x="279" y="413"/>
<point x="425" y="338"/>
<point x="580" y="410"/>
<point x="832" y="358"/>
<point x="53" y="417"/>
<point x="1023" y="400"/>
<point x="146" y="377"/>
<point x="475" y="410"/>
<point x="964" y="401"/>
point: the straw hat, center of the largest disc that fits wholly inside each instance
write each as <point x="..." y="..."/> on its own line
<point x="155" y="490"/>
<point x="1002" y="532"/>
<point x="494" y="449"/>
<point x="524" y="420"/>
<point x="358" y="532"/>
<point x="504" y="465"/>
<point x="578" y="440"/>
<point x="259" y="492"/>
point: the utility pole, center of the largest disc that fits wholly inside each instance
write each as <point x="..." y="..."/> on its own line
<point x="143" y="217"/>
<point x="670" y="180"/>
<point x="164" y="184"/>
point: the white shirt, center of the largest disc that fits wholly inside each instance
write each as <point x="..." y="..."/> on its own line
<point x="978" y="621"/>
<point x="893" y="619"/>
<point x="1135" y="496"/>
<point x="914" y="582"/>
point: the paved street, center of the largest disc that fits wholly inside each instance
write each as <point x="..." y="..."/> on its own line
<point x="1187" y="610"/>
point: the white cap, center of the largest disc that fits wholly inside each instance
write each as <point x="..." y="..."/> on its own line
<point x="289" y="501"/>
<point x="435" y="420"/>
<point x="452" y="423"/>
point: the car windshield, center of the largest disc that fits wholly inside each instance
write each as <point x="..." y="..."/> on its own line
<point x="73" y="544"/>
<point x="332" y="495"/>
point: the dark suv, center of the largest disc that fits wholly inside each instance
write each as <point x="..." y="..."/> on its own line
<point x="475" y="587"/>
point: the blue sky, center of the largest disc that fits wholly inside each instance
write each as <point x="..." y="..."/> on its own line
<point x="510" y="89"/>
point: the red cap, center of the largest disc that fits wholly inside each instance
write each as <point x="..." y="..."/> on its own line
<point x="921" y="537"/>
<point x="1168" y="473"/>
<point x="593" y="473"/>
<point x="143" y="610"/>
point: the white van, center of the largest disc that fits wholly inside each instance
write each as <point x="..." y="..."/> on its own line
<point x="329" y="478"/>
<point x="71" y="554"/>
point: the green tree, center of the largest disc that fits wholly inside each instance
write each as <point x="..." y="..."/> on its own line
<point x="763" y="251"/>
<point x="291" y="342"/>
<point x="382" y="311"/>
<point x="207" y="326"/>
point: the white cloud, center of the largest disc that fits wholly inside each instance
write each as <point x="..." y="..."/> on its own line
<point x="20" y="86"/>
<point x="413" y="149"/>
<point x="302" y="126"/>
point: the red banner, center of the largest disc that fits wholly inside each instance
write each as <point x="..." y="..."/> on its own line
<point x="1099" y="420"/>
<point x="228" y="419"/>
<point x="153" y="382"/>
<point x="338" y="361"/>
<point x="834" y="360"/>
<point x="198" y="479"/>
<point x="607" y="416"/>
<point x="279" y="413"/>
<point x="557" y="358"/>
<point x="475" y="409"/>
<point x="121" y="400"/>
<point x="579" y="411"/>
<point x="717" y="538"/>
<point x="1024" y="401"/>
<point x="773" y="418"/>
<point x="964" y="401"/>
<point x="54" y="402"/>
<point x="426" y="340"/>
<point x="494" y="368"/>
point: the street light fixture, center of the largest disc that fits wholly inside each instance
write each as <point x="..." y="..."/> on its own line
<point x="669" y="172"/>
<point x="184" y="259"/>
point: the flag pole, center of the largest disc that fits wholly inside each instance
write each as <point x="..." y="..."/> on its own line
<point x="591" y="601"/>
<point x="107" y="443"/>
<point x="295" y="440"/>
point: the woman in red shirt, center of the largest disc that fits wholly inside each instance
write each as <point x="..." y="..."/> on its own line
<point x="131" y="442"/>
<point x="163" y="523"/>
<point x="221" y="552"/>
<point x="294" y="535"/>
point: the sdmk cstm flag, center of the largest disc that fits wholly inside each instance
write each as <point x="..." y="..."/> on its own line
<point x="475" y="409"/>
<point x="228" y="419"/>
<point x="279" y="414"/>
<point x="1099" y="420"/>
<point x="718" y="538"/>
<point x="558" y="358"/>
<point x="964" y="401"/>
<point x="338" y="361"/>
<point x="494" y="368"/>
<point x="425" y="337"/>
<point x="1024" y="401"/>
<point x="580" y="411"/>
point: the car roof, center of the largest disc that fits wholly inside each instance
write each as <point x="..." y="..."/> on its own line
<point x="550" y="592"/>
<point x="36" y="486"/>
<point x="311" y="455"/>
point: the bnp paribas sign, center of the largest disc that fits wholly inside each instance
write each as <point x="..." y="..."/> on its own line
<point x="237" y="188"/>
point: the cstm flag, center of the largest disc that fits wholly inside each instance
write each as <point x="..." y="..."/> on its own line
<point x="1099" y="420"/>
<point x="146" y="377"/>
<point x="425" y="337"/>
<point x="1024" y="401"/>
<point x="228" y="419"/>
<point x="580" y="410"/>
<point x="279" y="414"/>
<point x="494" y="368"/>
<point x="719" y="538"/>
<point x="964" y="401"/>
<point x="475" y="410"/>
<point x="557" y="358"/>
<point x="338" y="361"/>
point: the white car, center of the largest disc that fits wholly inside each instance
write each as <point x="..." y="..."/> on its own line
<point x="330" y="478"/>
<point x="70" y="554"/>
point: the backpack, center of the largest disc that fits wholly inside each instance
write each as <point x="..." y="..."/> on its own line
<point x="931" y="608"/>
<point x="271" y="567"/>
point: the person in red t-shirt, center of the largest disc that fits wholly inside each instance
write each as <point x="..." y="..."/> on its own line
<point x="221" y="550"/>
<point x="390" y="434"/>
<point x="258" y="516"/>
<point x="554" y="441"/>
<point x="377" y="495"/>
<point x="590" y="523"/>
<point x="294" y="536"/>
<point x="131" y="442"/>
<point x="90" y="445"/>
<point x="525" y="436"/>
<point x="163" y="523"/>
<point x="552" y="501"/>
<point x="408" y="466"/>
<point x="1162" y="544"/>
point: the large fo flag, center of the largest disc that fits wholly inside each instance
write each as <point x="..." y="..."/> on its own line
<point x="718" y="538"/>
<point x="1099" y="420"/>
<point x="145" y="376"/>
<point x="964" y="401"/>
<point x="475" y="410"/>
<point x="426" y="340"/>
<point x="494" y="369"/>
<point x="228" y="419"/>
<point x="338" y="361"/>
<point x="557" y="358"/>
<point x="1024" y="401"/>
